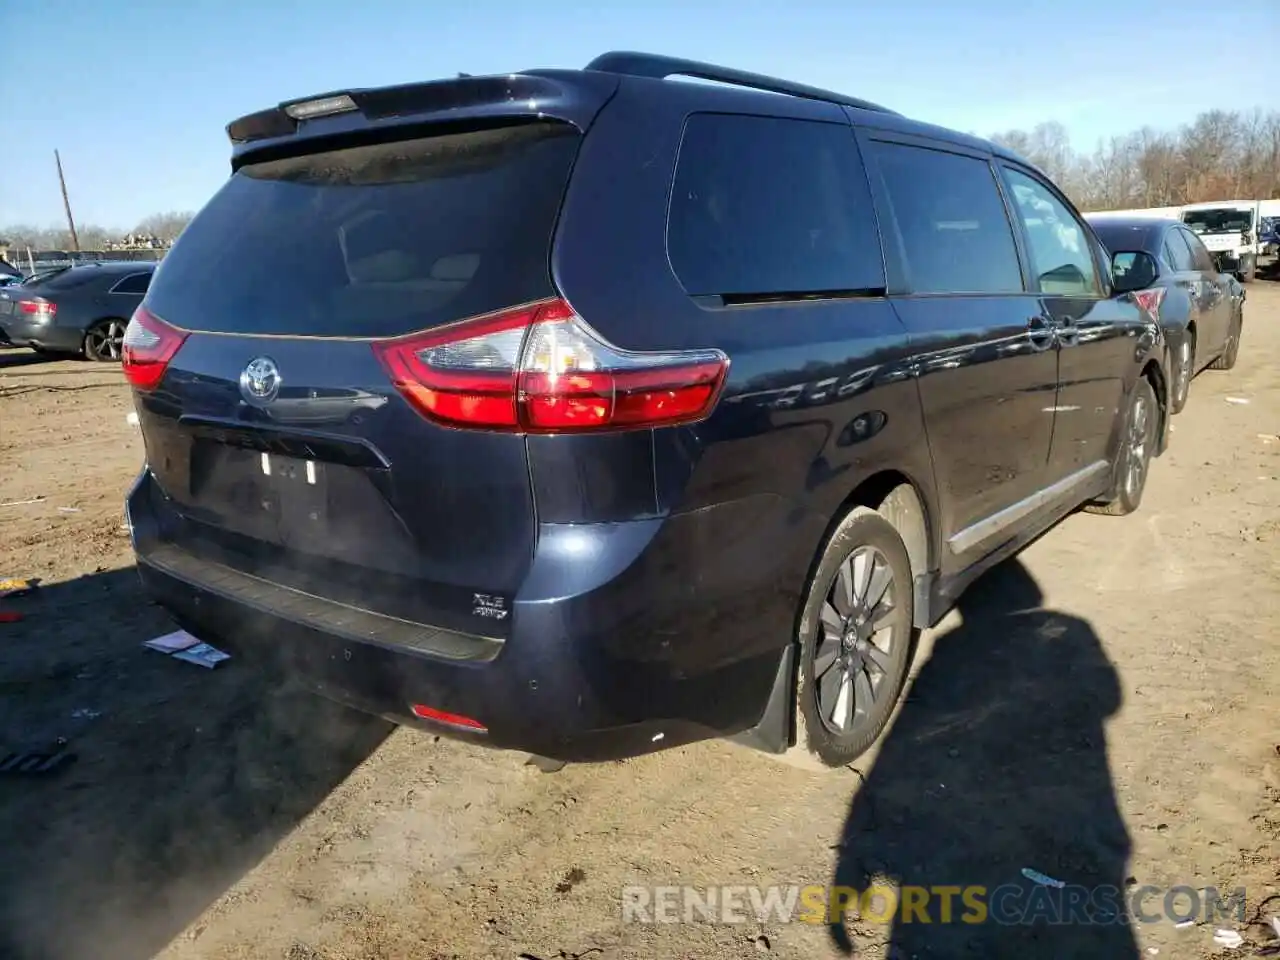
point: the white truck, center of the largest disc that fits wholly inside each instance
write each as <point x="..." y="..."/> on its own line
<point x="1229" y="229"/>
<point x="1155" y="213"/>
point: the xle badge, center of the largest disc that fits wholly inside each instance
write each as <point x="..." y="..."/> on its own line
<point x="485" y="605"/>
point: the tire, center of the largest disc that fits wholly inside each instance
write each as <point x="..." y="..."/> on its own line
<point x="1227" y="359"/>
<point x="851" y="674"/>
<point x="1184" y="372"/>
<point x="102" y="342"/>
<point x="1133" y="459"/>
<point x="1248" y="273"/>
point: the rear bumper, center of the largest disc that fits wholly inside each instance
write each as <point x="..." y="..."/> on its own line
<point x="47" y="335"/>
<point x="615" y="650"/>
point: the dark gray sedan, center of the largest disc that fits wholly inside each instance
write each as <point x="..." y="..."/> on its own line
<point x="81" y="309"/>
<point x="1174" y="277"/>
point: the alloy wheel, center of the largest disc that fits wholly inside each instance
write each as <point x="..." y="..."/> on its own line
<point x="853" y="655"/>
<point x="1140" y="422"/>
<point x="1185" y="360"/>
<point x="106" y="340"/>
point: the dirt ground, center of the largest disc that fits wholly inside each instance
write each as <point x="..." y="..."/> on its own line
<point x="1103" y="710"/>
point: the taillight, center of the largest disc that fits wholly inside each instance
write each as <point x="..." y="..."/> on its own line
<point x="37" y="309"/>
<point x="542" y="369"/>
<point x="1150" y="300"/>
<point x="149" y="345"/>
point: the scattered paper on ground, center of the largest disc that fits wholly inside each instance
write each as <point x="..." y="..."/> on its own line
<point x="1035" y="876"/>
<point x="172" y="642"/>
<point x="1228" y="938"/>
<point x="183" y="646"/>
<point x="202" y="655"/>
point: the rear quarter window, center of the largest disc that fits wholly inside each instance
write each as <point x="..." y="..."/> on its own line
<point x="1179" y="251"/>
<point x="135" y="283"/>
<point x="1200" y="257"/>
<point x="375" y="240"/>
<point x="769" y="206"/>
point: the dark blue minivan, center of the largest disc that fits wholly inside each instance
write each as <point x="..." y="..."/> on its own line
<point x="592" y="412"/>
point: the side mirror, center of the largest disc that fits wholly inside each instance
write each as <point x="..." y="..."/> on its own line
<point x="1133" y="270"/>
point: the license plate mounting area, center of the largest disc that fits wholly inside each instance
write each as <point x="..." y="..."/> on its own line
<point x="299" y="489"/>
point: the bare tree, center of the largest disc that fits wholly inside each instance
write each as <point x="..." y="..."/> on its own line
<point x="164" y="226"/>
<point x="1219" y="155"/>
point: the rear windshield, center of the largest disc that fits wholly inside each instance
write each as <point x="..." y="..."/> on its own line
<point x="61" y="278"/>
<point x="374" y="240"/>
<point x="1123" y="237"/>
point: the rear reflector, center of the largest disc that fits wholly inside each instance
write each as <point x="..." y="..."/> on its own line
<point x="441" y="716"/>
<point x="542" y="369"/>
<point x="149" y="345"/>
<point x="1150" y="300"/>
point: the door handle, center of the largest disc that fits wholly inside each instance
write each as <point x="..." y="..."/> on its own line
<point x="1041" y="333"/>
<point x="1068" y="332"/>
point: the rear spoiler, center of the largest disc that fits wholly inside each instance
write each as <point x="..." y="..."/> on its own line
<point x="568" y="95"/>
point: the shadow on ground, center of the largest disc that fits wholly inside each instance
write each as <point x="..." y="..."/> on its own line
<point x="184" y="779"/>
<point x="998" y="762"/>
<point x="11" y="356"/>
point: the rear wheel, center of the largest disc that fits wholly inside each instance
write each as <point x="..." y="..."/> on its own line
<point x="1133" y="459"/>
<point x="856" y="636"/>
<point x="103" y="341"/>
<point x="1184" y="370"/>
<point x="1227" y="359"/>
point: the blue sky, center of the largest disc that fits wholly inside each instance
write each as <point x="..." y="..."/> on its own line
<point x="136" y="93"/>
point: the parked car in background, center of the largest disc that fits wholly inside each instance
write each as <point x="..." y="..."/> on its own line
<point x="7" y="280"/>
<point x="1229" y="230"/>
<point x="589" y="413"/>
<point x="1200" y="309"/>
<point x="1269" y="238"/>
<point x="80" y="309"/>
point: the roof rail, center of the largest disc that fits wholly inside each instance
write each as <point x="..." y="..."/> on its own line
<point x="657" y="67"/>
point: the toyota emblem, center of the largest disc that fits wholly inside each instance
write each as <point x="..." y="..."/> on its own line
<point x="260" y="381"/>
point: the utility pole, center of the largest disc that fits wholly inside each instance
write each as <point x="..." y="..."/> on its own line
<point x="66" y="203"/>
